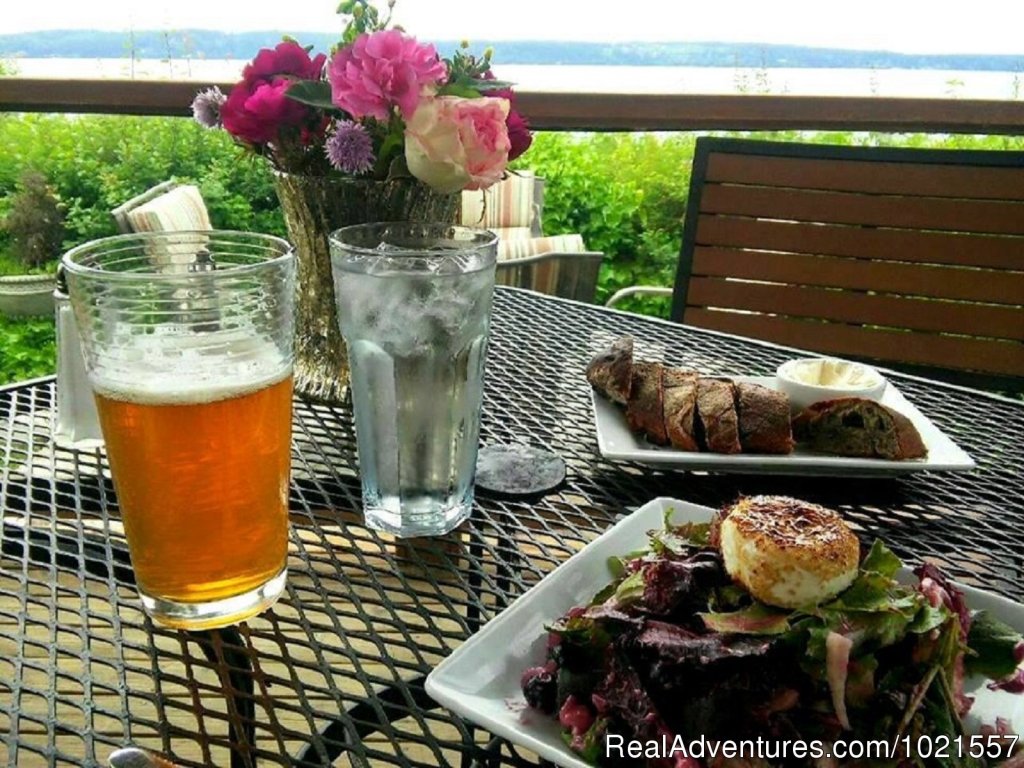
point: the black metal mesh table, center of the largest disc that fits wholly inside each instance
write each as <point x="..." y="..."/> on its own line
<point x="334" y="673"/>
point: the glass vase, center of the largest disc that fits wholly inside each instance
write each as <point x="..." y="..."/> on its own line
<point x="315" y="206"/>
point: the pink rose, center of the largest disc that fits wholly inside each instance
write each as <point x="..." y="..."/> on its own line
<point x="257" y="110"/>
<point x="383" y="69"/>
<point x="453" y="143"/>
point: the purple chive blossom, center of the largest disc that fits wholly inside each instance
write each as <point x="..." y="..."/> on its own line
<point x="350" y="148"/>
<point x="206" y="107"/>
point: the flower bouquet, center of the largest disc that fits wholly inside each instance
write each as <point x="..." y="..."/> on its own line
<point x="382" y="129"/>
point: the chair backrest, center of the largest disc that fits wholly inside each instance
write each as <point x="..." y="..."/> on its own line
<point x="513" y="207"/>
<point x="120" y="213"/>
<point x="569" y="275"/>
<point x="165" y="208"/>
<point x="911" y="257"/>
<point x="179" y="208"/>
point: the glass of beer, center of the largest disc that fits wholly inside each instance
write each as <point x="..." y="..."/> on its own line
<point x="188" y="345"/>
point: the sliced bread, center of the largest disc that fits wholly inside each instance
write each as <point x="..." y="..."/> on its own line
<point x="763" y="419"/>
<point x="610" y="372"/>
<point x="680" y="407"/>
<point x="645" y="407"/>
<point x="855" y="426"/>
<point x="717" y="423"/>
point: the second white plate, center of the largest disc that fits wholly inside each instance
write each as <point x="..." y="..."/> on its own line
<point x="616" y="441"/>
<point x="480" y="680"/>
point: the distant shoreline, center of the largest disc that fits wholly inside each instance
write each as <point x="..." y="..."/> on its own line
<point x="195" y="44"/>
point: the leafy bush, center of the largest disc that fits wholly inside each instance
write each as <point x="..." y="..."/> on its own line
<point x="625" y="193"/>
<point x="29" y="348"/>
<point x="34" y="222"/>
<point x="95" y="163"/>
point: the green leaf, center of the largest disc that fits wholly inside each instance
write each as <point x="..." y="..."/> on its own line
<point x="928" y="618"/>
<point x="398" y="169"/>
<point x="314" y="93"/>
<point x="630" y="590"/>
<point x="870" y="591"/>
<point x="993" y="647"/>
<point x="756" y="619"/>
<point x="881" y="559"/>
<point x="677" y="540"/>
<point x="616" y="567"/>
<point x="593" y="741"/>
<point x="728" y="598"/>
<point x="457" y="89"/>
<point x="878" y="629"/>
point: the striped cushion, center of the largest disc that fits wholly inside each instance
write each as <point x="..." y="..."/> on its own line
<point x="511" y="233"/>
<point x="181" y="208"/>
<point x="521" y="248"/>
<point x="509" y="203"/>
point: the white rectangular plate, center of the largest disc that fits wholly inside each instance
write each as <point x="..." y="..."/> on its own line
<point x="480" y="680"/>
<point x="616" y="441"/>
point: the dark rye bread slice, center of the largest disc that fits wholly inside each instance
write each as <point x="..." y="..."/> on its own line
<point x="680" y="407"/>
<point x="645" y="408"/>
<point x="855" y="426"/>
<point x="610" y="372"/>
<point x="717" y="424"/>
<point x="764" y="419"/>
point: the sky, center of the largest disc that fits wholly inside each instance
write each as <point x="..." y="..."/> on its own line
<point x="910" y="26"/>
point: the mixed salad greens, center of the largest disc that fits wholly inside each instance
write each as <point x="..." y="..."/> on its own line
<point x="672" y="647"/>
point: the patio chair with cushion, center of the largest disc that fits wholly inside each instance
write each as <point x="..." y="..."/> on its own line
<point x="512" y="208"/>
<point x="910" y="257"/>
<point x="558" y="265"/>
<point x="167" y="206"/>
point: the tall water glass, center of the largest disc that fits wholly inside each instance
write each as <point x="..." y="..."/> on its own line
<point x="414" y="304"/>
<point x="188" y="347"/>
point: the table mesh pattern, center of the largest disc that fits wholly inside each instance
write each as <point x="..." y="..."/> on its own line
<point x="333" y="675"/>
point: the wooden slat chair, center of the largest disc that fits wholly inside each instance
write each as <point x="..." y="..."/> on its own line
<point x="559" y="265"/>
<point x="911" y="257"/>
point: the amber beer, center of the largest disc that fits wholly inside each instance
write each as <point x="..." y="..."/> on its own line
<point x="201" y="475"/>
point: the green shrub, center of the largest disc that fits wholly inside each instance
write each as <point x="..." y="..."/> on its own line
<point x="34" y="222"/>
<point x="625" y="193"/>
<point x="95" y="163"/>
<point x="28" y="348"/>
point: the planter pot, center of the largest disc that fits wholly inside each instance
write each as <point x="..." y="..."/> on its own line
<point x="313" y="207"/>
<point x="26" y="295"/>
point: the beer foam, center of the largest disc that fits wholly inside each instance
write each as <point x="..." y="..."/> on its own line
<point x="160" y="371"/>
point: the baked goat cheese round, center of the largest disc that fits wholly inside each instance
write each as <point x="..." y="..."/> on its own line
<point x="788" y="553"/>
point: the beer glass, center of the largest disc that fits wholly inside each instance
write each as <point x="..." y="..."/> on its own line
<point x="188" y="348"/>
<point x="414" y="304"/>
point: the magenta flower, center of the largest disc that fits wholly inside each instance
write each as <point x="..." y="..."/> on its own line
<point x="256" y="112"/>
<point x="518" y="127"/>
<point x="381" y="70"/>
<point x="350" y="148"/>
<point x="257" y="109"/>
<point x="287" y="58"/>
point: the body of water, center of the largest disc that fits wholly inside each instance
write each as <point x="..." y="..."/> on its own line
<point x="610" y="79"/>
